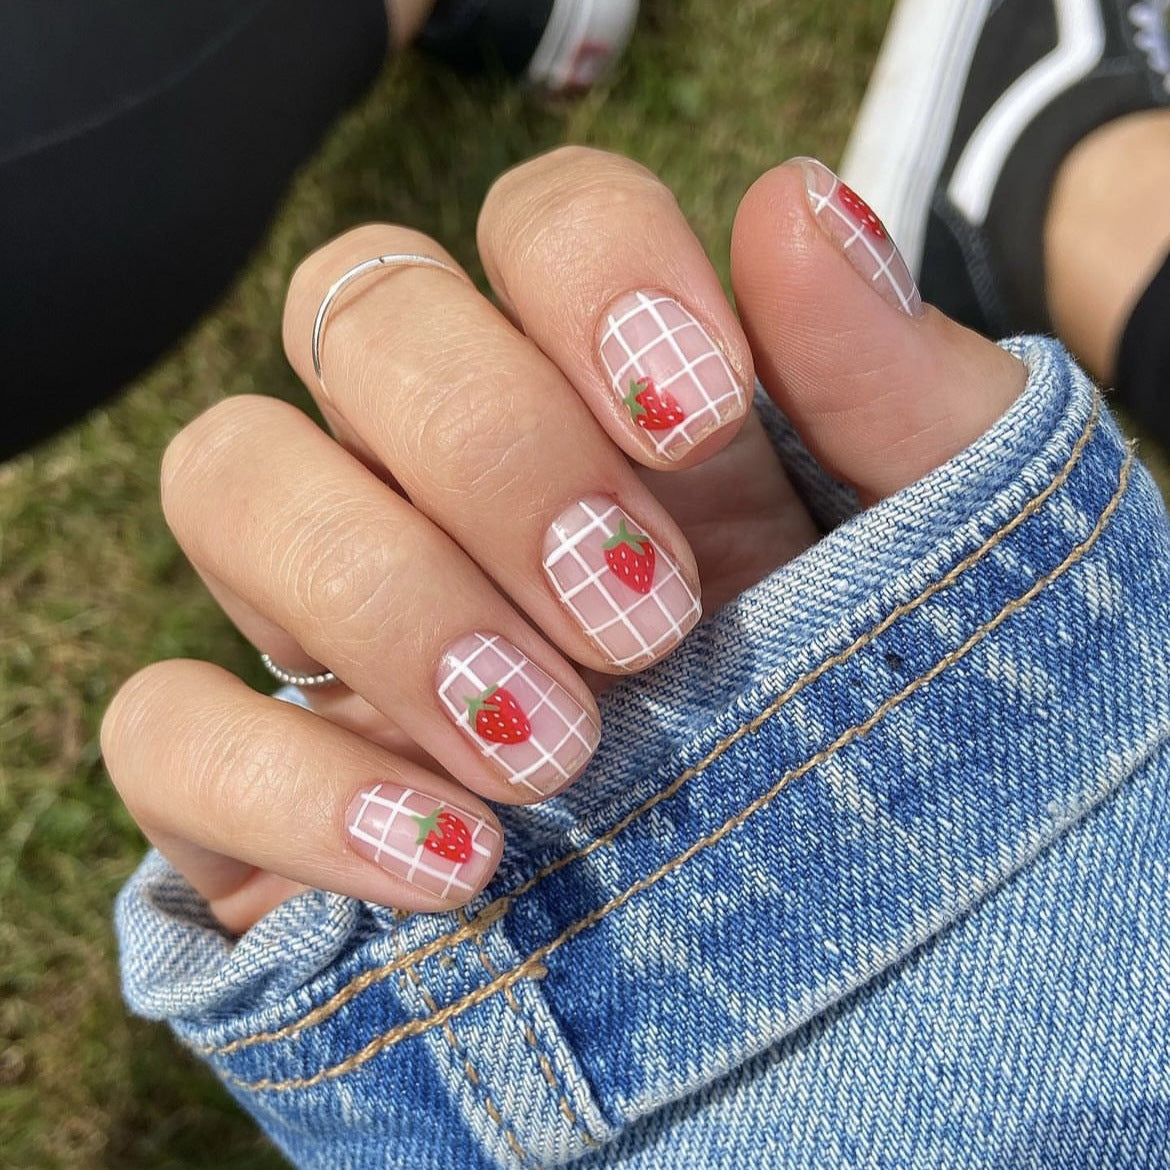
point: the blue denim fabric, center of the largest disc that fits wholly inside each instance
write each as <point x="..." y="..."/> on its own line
<point x="872" y="872"/>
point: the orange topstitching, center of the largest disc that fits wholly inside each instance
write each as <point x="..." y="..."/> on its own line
<point x="498" y="907"/>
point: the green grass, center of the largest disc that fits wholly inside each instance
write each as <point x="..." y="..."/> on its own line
<point x="92" y="586"/>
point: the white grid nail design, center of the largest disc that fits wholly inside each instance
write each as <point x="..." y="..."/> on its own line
<point x="663" y="366"/>
<point x="560" y="734"/>
<point x="851" y="222"/>
<point x="384" y="827"/>
<point x="631" y="627"/>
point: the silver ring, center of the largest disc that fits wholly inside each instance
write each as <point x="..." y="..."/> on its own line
<point x="393" y="260"/>
<point x="325" y="679"/>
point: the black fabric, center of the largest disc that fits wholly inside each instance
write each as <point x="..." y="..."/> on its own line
<point x="957" y="274"/>
<point x="1003" y="291"/>
<point x="473" y="34"/>
<point x="143" y="147"/>
<point x="1143" y="358"/>
<point x="1015" y="35"/>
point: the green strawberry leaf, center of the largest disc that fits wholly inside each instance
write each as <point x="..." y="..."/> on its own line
<point x="631" y="400"/>
<point x="427" y="825"/>
<point x="478" y="703"/>
<point x="635" y="540"/>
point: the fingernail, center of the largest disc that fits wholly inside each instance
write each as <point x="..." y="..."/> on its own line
<point x="433" y="845"/>
<point x="851" y="223"/>
<point x="672" y="380"/>
<point x="516" y="714"/>
<point x="625" y="591"/>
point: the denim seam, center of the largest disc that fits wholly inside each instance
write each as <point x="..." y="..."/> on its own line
<point x="534" y="964"/>
<point x="533" y="1041"/>
<point x="478" y="1088"/>
<point x="498" y="907"/>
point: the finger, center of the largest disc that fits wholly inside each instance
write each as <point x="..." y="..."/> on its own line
<point x="264" y="634"/>
<point x="490" y="442"/>
<point x="336" y="702"/>
<point x="881" y="389"/>
<point x="596" y="261"/>
<point x="251" y="798"/>
<point x="309" y="539"/>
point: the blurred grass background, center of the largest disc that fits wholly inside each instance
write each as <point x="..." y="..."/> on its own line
<point x="92" y="585"/>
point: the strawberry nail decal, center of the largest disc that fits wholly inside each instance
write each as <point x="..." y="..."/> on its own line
<point x="862" y="212"/>
<point x="527" y="726"/>
<point x="630" y="557"/>
<point x="853" y="226"/>
<point x="652" y="409"/>
<point x="498" y="717"/>
<point x="444" y="834"/>
<point x="627" y="594"/>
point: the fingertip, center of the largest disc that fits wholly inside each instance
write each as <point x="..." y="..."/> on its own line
<point x="881" y="388"/>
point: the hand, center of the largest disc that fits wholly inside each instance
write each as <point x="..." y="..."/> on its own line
<point x="505" y="496"/>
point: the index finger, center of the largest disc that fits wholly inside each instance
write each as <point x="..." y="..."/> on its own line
<point x="593" y="258"/>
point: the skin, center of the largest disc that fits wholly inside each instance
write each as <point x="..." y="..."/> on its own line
<point x="460" y="433"/>
<point x="1106" y="233"/>
<point x="406" y="18"/>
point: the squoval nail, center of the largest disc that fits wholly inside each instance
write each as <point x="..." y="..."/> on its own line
<point x="432" y="844"/>
<point x="624" y="590"/>
<point x="669" y="375"/>
<point x="854" y="227"/>
<point x="518" y="716"/>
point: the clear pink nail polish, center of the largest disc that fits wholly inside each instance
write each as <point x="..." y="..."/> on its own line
<point x="626" y="593"/>
<point x="851" y="223"/>
<point x="433" y="845"/>
<point x="518" y="716"/>
<point x="672" y="380"/>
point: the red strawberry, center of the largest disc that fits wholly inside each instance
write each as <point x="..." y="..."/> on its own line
<point x="652" y="409"/>
<point x="498" y="717"/>
<point x="444" y="834"/>
<point x="862" y="212"/>
<point x="630" y="557"/>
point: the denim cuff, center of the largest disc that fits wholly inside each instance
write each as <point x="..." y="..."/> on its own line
<point x="826" y="854"/>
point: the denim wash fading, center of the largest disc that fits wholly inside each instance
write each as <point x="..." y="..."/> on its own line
<point x="872" y="872"/>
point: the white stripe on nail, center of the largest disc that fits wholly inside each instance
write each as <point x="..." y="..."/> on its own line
<point x="433" y="845"/>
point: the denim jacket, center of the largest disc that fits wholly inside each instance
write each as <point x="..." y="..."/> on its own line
<point x="872" y="872"/>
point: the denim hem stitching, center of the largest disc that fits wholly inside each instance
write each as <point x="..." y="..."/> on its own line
<point x="530" y="967"/>
<point x="533" y="1041"/>
<point x="498" y="907"/>
<point x="478" y="1088"/>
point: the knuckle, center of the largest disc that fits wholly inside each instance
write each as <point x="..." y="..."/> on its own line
<point x="181" y="740"/>
<point x="122" y="717"/>
<point x="465" y="448"/>
<point x="214" y="441"/>
<point x="245" y="757"/>
<point x="147" y="705"/>
<point x="561" y="167"/>
<point x="342" y="573"/>
<point x="572" y="187"/>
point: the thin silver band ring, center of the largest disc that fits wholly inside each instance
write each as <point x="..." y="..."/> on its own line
<point x="392" y="260"/>
<point x="290" y="679"/>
